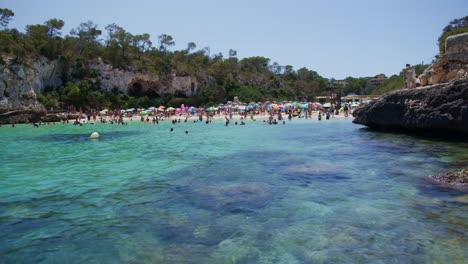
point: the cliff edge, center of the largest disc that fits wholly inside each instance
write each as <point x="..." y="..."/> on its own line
<point x="441" y="105"/>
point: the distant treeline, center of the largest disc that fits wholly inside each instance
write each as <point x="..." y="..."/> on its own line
<point x="220" y="78"/>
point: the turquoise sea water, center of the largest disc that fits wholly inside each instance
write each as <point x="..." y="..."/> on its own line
<point x="304" y="192"/>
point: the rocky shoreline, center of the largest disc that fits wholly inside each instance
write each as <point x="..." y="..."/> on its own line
<point x="439" y="109"/>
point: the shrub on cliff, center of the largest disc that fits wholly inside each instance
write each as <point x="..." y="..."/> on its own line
<point x="456" y="26"/>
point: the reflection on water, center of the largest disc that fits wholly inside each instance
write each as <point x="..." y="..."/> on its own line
<point x="307" y="192"/>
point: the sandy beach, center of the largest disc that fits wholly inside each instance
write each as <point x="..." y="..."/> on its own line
<point x="216" y="118"/>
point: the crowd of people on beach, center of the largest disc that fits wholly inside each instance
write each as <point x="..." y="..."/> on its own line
<point x="232" y="114"/>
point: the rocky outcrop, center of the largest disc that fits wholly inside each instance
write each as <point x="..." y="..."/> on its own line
<point x="440" y="108"/>
<point x="138" y="84"/>
<point x="21" y="116"/>
<point x="450" y="65"/>
<point x="457" y="178"/>
<point x="441" y="105"/>
<point x="20" y="83"/>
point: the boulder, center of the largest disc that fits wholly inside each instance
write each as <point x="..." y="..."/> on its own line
<point x="439" y="108"/>
<point x="21" y="116"/>
<point x="457" y="178"/>
<point x="450" y="65"/>
<point x="51" y="118"/>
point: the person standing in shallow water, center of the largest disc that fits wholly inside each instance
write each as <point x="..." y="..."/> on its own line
<point x="346" y="110"/>
<point x="410" y="76"/>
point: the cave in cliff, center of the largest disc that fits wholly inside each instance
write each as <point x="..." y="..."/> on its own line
<point x="136" y="89"/>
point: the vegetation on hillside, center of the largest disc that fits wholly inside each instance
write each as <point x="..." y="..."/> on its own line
<point x="456" y="26"/>
<point x="220" y="79"/>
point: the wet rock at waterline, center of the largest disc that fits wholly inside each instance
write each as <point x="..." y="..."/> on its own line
<point x="441" y="109"/>
<point x="457" y="178"/>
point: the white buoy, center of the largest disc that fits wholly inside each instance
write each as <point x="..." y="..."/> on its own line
<point x="94" y="135"/>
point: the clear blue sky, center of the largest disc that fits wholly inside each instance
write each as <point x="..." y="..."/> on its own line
<point x="336" y="38"/>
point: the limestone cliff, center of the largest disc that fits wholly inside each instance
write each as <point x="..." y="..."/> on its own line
<point x="137" y="84"/>
<point x="450" y="65"/>
<point x="19" y="83"/>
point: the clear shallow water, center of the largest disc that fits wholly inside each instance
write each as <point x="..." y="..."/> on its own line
<point x="304" y="192"/>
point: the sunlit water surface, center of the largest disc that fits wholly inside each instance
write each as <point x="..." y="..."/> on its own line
<point x="304" y="192"/>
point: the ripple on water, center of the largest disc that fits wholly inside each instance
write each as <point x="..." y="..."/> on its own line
<point x="307" y="192"/>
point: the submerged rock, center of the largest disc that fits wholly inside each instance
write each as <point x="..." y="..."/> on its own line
<point x="457" y="178"/>
<point x="235" y="198"/>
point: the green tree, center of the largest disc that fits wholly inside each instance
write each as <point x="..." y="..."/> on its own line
<point x="141" y="43"/>
<point x="37" y="39"/>
<point x="6" y="15"/>
<point x="191" y="46"/>
<point x="165" y="41"/>
<point x="54" y="26"/>
<point x="456" y="26"/>
<point x="87" y="34"/>
<point x="232" y="53"/>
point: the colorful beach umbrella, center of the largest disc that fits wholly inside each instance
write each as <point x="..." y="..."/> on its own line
<point x="326" y="105"/>
<point x="170" y="109"/>
<point x="143" y="113"/>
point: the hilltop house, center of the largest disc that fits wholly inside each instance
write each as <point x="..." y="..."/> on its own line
<point x="377" y="80"/>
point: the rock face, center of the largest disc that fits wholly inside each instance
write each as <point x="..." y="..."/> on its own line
<point x="21" y="116"/>
<point x="20" y="83"/>
<point x="441" y="105"/>
<point x="450" y="65"/>
<point x="440" y="108"/>
<point x="137" y="84"/>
